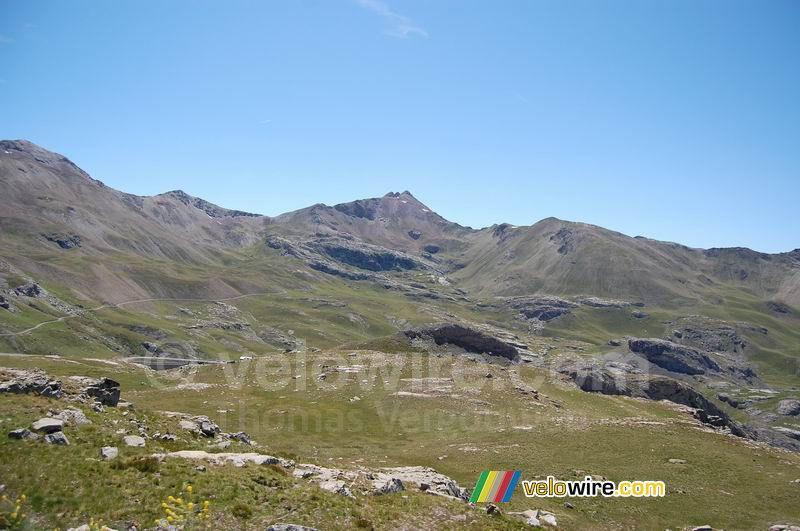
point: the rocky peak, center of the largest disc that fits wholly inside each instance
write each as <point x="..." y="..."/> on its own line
<point x="210" y="209"/>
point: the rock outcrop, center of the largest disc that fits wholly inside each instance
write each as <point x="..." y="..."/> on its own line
<point x="541" y="308"/>
<point x="470" y="339"/>
<point x="30" y="382"/>
<point x="672" y="356"/>
<point x="365" y="256"/>
<point x="789" y="407"/>
<point x="65" y="241"/>
<point x="105" y="391"/>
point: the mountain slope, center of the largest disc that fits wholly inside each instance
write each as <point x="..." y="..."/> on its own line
<point x="49" y="205"/>
<point x="561" y="257"/>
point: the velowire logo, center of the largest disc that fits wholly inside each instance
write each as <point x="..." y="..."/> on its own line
<point x="495" y="486"/>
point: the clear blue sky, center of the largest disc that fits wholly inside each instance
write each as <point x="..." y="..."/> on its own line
<point x="677" y="120"/>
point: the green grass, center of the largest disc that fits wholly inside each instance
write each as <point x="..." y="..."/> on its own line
<point x="726" y="481"/>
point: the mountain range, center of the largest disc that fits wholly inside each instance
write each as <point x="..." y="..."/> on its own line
<point x="49" y="205"/>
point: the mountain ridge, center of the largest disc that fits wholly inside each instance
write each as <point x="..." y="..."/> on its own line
<point x="50" y="204"/>
<point x="51" y="157"/>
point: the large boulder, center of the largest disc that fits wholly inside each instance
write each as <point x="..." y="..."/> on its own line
<point x="109" y="452"/>
<point x="57" y="438"/>
<point x="134" y="440"/>
<point x="48" y="425"/>
<point x="672" y="356"/>
<point x="22" y="433"/>
<point x="74" y="417"/>
<point x="789" y="406"/>
<point x="106" y="391"/>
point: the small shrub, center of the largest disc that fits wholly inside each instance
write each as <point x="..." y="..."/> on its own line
<point x="242" y="511"/>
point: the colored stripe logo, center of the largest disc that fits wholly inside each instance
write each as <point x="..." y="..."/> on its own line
<point x="494" y="486"/>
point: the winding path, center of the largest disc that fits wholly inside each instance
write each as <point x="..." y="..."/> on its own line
<point x="120" y="304"/>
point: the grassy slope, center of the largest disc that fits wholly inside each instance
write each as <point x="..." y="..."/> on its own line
<point x="584" y="432"/>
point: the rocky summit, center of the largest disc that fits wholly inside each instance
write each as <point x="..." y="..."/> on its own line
<point x="359" y="365"/>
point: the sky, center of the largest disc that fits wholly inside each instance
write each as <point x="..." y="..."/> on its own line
<point x="677" y="120"/>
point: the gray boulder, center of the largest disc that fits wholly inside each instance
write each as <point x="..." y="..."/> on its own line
<point x="134" y="440"/>
<point x="22" y="433"/>
<point x="392" y="486"/>
<point x="109" y="452"/>
<point x="48" y="425"/>
<point x="789" y="406"/>
<point x="56" y="438"/>
<point x="74" y="416"/>
<point x="289" y="527"/>
<point x="105" y="391"/>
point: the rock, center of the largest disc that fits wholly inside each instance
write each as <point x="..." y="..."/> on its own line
<point x="414" y="234"/>
<point x="332" y="269"/>
<point x="242" y="437"/>
<point x="238" y="459"/>
<point x="65" y="241"/>
<point x="48" y="425"/>
<point x="365" y="256"/>
<point x="703" y="528"/>
<point x="22" y="433"/>
<point x="289" y="527"/>
<point x="4" y="303"/>
<point x="614" y="343"/>
<point x="109" y="452"/>
<point x="789" y="406"/>
<point x="220" y="445"/>
<point x="470" y="339"/>
<point x="134" y="440"/>
<point x="56" y="438"/>
<point x="548" y="519"/>
<point x="189" y="425"/>
<point x="30" y="289"/>
<point x="541" y="308"/>
<point x="568" y="505"/>
<point x="672" y="356"/>
<point x="492" y="509"/>
<point x="31" y="382"/>
<point x="708" y="334"/>
<point x="678" y="461"/>
<point x="784" y="527"/>
<point x="105" y="391"/>
<point x="432" y="249"/>
<point x="74" y="416"/>
<point x="344" y="491"/>
<point x="206" y="427"/>
<point x="597" y="302"/>
<point x="392" y="486"/>
<point x="640" y="315"/>
<point x="779" y="307"/>
<point x="733" y="402"/>
<point x="789" y="432"/>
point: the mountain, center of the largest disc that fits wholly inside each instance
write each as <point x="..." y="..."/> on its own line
<point x="696" y="350"/>
<point x="50" y="205"/>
